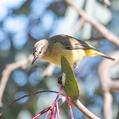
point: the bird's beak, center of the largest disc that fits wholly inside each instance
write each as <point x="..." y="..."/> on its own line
<point x="34" y="59"/>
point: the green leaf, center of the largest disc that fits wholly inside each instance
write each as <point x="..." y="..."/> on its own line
<point x="69" y="80"/>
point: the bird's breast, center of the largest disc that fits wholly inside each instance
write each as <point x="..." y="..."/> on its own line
<point x="55" y="52"/>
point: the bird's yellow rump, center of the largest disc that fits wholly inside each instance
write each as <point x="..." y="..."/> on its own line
<point x="73" y="49"/>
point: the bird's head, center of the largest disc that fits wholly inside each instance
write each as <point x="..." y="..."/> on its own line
<point x="39" y="49"/>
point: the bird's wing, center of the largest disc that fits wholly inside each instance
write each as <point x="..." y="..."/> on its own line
<point x="71" y="43"/>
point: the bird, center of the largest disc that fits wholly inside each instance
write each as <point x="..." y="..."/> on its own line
<point x="73" y="49"/>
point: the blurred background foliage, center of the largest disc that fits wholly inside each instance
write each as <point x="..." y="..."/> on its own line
<point x="22" y="23"/>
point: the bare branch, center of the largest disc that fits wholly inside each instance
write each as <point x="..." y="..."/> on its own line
<point x="83" y="109"/>
<point x="105" y="78"/>
<point x="114" y="87"/>
<point x="108" y="105"/>
<point x="108" y="85"/>
<point x="8" y="70"/>
<point x="49" y="70"/>
<point x="102" y="29"/>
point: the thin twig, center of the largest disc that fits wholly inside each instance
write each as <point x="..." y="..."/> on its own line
<point x="34" y="93"/>
<point x="40" y="113"/>
<point x="58" y="112"/>
<point x="28" y="95"/>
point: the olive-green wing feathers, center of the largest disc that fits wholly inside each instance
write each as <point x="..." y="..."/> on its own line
<point x="70" y="43"/>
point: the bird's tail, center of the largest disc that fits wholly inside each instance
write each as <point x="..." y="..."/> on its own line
<point x="108" y="57"/>
<point x="93" y="52"/>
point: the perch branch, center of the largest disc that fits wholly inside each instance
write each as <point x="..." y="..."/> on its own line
<point x="83" y="109"/>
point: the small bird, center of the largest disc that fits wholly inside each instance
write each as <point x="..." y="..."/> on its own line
<point x="74" y="50"/>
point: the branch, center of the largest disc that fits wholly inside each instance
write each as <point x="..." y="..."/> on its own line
<point x="34" y="93"/>
<point x="7" y="72"/>
<point x="78" y="26"/>
<point x="108" y="105"/>
<point x="114" y="87"/>
<point x="83" y="109"/>
<point x="102" y="29"/>
<point x="108" y="85"/>
<point x="49" y="70"/>
<point x="61" y="100"/>
<point x="106" y="82"/>
<point x="11" y="67"/>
